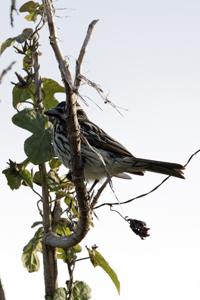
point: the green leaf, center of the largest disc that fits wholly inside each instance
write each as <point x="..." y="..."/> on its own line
<point x="32" y="17"/>
<point x="33" y="8"/>
<point x="25" y="174"/>
<point x="30" y="259"/>
<point x="70" y="203"/>
<point x="21" y="38"/>
<point x="60" y="294"/>
<point x="29" y="6"/>
<point x="36" y="224"/>
<point x="62" y="228"/>
<point x="81" y="291"/>
<point x="71" y="256"/>
<point x="53" y="182"/>
<point x="35" y="242"/>
<point x="20" y="95"/>
<point x="7" y="44"/>
<point x="26" y="60"/>
<point x="16" y="174"/>
<point x="77" y="248"/>
<point x="61" y="254"/>
<point x="23" y="164"/>
<point x="37" y="147"/>
<point x="30" y="120"/>
<point x="54" y="163"/>
<point x="37" y="178"/>
<point x="66" y="183"/>
<point x="50" y="87"/>
<point x="14" y="180"/>
<point x="98" y="260"/>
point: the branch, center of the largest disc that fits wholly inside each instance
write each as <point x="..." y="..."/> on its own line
<point x="137" y="197"/>
<point x="195" y="153"/>
<point x="2" y="292"/>
<point x="13" y="7"/>
<point x="100" y="91"/>
<point x="63" y="65"/>
<point x="145" y="194"/>
<point x="49" y="255"/>
<point x="6" y="70"/>
<point x="79" y="62"/>
<point x="74" y="140"/>
<point x="98" y="194"/>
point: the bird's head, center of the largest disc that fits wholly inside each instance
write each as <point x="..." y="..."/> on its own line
<point x="59" y="111"/>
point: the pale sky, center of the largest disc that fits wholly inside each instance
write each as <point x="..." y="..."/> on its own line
<point x="146" y="56"/>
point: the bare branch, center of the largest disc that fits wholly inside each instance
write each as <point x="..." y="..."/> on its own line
<point x="12" y="9"/>
<point x="6" y="70"/>
<point x="98" y="194"/>
<point x="63" y="65"/>
<point x="79" y="62"/>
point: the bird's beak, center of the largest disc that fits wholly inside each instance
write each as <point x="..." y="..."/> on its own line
<point x="53" y="113"/>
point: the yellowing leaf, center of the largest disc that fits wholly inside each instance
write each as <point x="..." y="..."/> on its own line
<point x="7" y="44"/>
<point x="98" y="260"/>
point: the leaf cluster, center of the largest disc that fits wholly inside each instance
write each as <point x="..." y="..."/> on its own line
<point x="39" y="151"/>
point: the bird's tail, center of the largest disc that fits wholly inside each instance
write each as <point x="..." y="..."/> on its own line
<point x="140" y="165"/>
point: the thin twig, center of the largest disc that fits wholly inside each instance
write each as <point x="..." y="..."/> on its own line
<point x="118" y="213"/>
<point x="36" y="193"/>
<point x="6" y="70"/>
<point x="137" y="197"/>
<point x="98" y="194"/>
<point x="192" y="157"/>
<point x="151" y="191"/>
<point x="84" y="96"/>
<point x="99" y="90"/>
<point x="82" y="259"/>
<point x="40" y="211"/>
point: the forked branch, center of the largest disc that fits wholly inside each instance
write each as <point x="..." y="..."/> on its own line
<point x="79" y="62"/>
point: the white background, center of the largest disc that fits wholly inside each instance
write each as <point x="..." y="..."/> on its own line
<point x="146" y="55"/>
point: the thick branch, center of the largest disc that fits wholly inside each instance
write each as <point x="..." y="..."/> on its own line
<point x="79" y="62"/>
<point x="73" y="130"/>
<point x="63" y="65"/>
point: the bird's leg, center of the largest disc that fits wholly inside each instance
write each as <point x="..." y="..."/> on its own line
<point x="92" y="187"/>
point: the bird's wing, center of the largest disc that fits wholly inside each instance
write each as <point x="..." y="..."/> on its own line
<point x="99" y="139"/>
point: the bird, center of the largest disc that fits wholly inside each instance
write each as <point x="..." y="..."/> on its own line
<point x="117" y="160"/>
